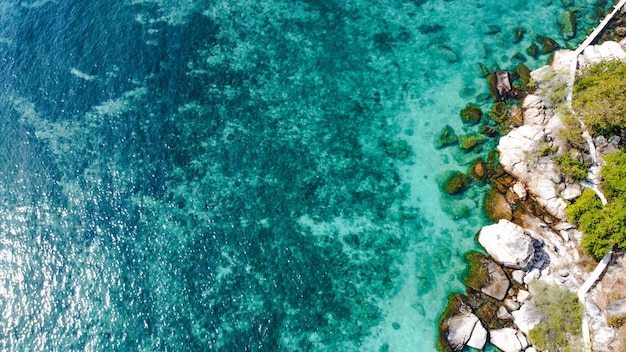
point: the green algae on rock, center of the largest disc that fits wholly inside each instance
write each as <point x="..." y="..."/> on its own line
<point x="496" y="206"/>
<point x="446" y="137"/>
<point x="471" y="114"/>
<point x="455" y="182"/>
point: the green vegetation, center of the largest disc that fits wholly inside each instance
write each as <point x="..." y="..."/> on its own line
<point x="478" y="274"/>
<point x="573" y="132"/>
<point x="615" y="321"/>
<point x="604" y="226"/>
<point x="600" y="97"/>
<point x="562" y="312"/>
<point x="572" y="167"/>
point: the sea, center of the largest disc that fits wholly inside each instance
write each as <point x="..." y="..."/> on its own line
<point x="237" y="175"/>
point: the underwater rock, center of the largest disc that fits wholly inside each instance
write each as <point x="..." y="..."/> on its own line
<point x="445" y="52"/>
<point x="492" y="29"/>
<point x="455" y="182"/>
<point x="399" y="149"/>
<point x="519" y="57"/>
<point x="533" y="50"/>
<point x="468" y="142"/>
<point x="478" y="170"/>
<point x="471" y="114"/>
<point x="496" y="206"/>
<point x="518" y="34"/>
<point x="567" y="24"/>
<point x="499" y="112"/>
<point x="549" y="45"/>
<point x="446" y="137"/>
<point x="508" y="244"/>
<point x="484" y="69"/>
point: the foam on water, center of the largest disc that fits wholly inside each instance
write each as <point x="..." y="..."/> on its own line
<point x="252" y="175"/>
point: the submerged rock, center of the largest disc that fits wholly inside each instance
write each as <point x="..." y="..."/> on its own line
<point x="446" y="137"/>
<point x="471" y="114"/>
<point x="508" y="244"/>
<point x="567" y="24"/>
<point x="455" y="182"/>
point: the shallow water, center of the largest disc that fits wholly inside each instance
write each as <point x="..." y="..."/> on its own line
<point x="258" y="175"/>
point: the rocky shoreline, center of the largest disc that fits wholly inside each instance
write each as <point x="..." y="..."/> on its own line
<point x="532" y="241"/>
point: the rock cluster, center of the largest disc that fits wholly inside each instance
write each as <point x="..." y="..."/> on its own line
<point x="536" y="243"/>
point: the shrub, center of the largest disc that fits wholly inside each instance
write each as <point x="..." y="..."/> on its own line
<point x="614" y="174"/>
<point x="587" y="201"/>
<point x="615" y="321"/>
<point x="563" y="314"/>
<point x="573" y="132"/>
<point x="572" y="167"/>
<point x="600" y="97"/>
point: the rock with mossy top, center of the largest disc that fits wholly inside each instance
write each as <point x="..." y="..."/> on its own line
<point x="479" y="171"/>
<point x="486" y="276"/>
<point x="469" y="142"/>
<point x="523" y="74"/>
<point x="455" y="182"/>
<point x="496" y="206"/>
<point x="471" y="114"/>
<point x="446" y="137"/>
<point x="548" y="44"/>
<point x="459" y="327"/>
<point x="533" y="50"/>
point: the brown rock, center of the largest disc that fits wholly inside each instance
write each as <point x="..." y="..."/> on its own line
<point x="517" y="118"/>
<point x="496" y="206"/>
<point x="621" y="31"/>
<point x="478" y="170"/>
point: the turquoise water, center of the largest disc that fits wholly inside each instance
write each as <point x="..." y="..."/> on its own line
<point x="241" y="176"/>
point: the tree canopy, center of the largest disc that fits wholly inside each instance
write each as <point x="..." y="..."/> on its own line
<point x="604" y="226"/>
<point x="600" y="97"/>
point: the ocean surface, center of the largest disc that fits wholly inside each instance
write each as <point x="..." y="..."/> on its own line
<point x="181" y="175"/>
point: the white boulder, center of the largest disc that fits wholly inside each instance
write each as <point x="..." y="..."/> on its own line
<point x="465" y="329"/>
<point x="508" y="244"/>
<point x="508" y="340"/>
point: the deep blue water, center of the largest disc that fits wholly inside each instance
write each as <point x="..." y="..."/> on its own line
<point x="241" y="176"/>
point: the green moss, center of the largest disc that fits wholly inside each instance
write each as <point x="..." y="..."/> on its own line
<point x="470" y="141"/>
<point x="478" y="274"/>
<point x="615" y="321"/>
<point x="499" y="112"/>
<point x="471" y="114"/>
<point x="523" y="73"/>
<point x="496" y="207"/>
<point x="455" y="182"/>
<point x="446" y="137"/>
